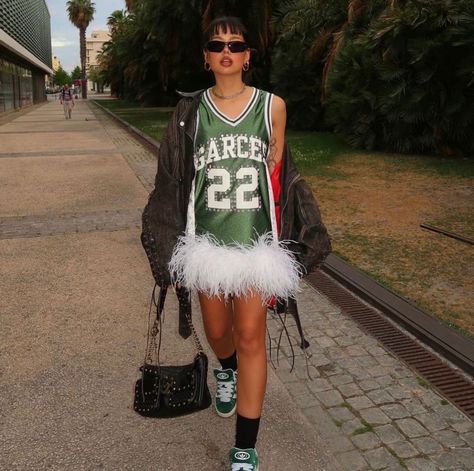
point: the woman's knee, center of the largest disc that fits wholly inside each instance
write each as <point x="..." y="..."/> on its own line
<point x="249" y="341"/>
<point x="216" y="333"/>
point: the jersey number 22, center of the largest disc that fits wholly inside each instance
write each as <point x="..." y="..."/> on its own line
<point x="241" y="202"/>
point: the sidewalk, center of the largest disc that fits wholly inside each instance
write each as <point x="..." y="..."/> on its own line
<point x="75" y="286"/>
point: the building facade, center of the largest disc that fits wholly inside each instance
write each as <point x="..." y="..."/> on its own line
<point x="25" y="52"/>
<point x="48" y="79"/>
<point x="94" y="45"/>
<point x="56" y="63"/>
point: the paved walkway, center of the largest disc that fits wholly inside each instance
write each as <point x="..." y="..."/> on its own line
<point x="75" y="285"/>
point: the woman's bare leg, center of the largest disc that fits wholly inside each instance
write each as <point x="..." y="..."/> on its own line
<point x="217" y="318"/>
<point x="249" y="339"/>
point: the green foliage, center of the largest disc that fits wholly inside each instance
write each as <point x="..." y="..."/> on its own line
<point x="154" y="51"/>
<point x="151" y="121"/>
<point x="95" y="76"/>
<point x="80" y="12"/>
<point x="315" y="152"/>
<point x="309" y="36"/>
<point x="407" y="83"/>
<point x="156" y="48"/>
<point x="76" y="73"/>
<point x="304" y="34"/>
<point x="385" y="74"/>
<point x="364" y="429"/>
<point x="61" y="77"/>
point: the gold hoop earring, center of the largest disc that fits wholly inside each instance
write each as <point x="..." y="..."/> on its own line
<point x="207" y="67"/>
<point x="246" y="66"/>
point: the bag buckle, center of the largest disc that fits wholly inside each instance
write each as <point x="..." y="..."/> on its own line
<point x="166" y="389"/>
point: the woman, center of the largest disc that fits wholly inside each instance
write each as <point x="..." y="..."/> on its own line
<point x="210" y="224"/>
<point x="230" y="254"/>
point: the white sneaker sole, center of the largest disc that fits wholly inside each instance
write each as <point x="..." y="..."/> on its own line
<point x="257" y="468"/>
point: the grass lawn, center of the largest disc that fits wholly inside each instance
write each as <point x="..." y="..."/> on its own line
<point x="150" y="120"/>
<point x="373" y="204"/>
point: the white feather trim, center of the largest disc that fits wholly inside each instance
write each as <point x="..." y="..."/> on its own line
<point x="200" y="263"/>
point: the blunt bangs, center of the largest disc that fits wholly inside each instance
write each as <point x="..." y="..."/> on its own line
<point x="226" y="24"/>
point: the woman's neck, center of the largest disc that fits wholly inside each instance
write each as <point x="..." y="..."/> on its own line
<point x="228" y="85"/>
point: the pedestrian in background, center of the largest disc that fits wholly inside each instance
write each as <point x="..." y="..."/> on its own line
<point x="66" y="98"/>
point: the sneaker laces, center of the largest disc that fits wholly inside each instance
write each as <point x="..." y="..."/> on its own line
<point x="242" y="467"/>
<point x="225" y="390"/>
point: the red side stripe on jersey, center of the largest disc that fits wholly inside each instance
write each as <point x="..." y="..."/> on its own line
<point x="276" y="188"/>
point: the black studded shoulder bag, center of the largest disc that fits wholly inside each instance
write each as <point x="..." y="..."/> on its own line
<point x="170" y="391"/>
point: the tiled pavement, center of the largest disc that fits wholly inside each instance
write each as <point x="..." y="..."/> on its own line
<point x="374" y="412"/>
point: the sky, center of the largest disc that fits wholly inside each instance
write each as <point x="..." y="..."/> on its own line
<point x="65" y="36"/>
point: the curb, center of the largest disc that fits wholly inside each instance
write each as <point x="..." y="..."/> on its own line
<point x="154" y="144"/>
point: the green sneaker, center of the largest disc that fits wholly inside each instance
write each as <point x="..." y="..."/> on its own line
<point x="226" y="393"/>
<point x="243" y="459"/>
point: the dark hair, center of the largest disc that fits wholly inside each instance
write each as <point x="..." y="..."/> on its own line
<point x="230" y="24"/>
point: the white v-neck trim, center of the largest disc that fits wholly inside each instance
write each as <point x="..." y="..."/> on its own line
<point x="232" y="121"/>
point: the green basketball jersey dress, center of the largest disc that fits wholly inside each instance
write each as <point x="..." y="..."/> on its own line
<point x="231" y="244"/>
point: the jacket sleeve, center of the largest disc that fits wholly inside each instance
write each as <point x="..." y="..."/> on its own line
<point x="302" y="225"/>
<point x="314" y="243"/>
<point x="162" y="220"/>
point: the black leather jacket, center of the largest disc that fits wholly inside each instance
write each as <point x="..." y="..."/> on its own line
<point x="164" y="216"/>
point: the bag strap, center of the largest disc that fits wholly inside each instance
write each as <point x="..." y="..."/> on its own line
<point x="156" y="328"/>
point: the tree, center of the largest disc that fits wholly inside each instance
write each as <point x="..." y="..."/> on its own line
<point x="309" y="37"/>
<point x="76" y="73"/>
<point x="95" y="77"/>
<point x="304" y="31"/>
<point x="61" y="77"/>
<point x="81" y="13"/>
<point x="115" y="21"/>
<point x="117" y="52"/>
<point x="406" y="84"/>
<point x="155" y="49"/>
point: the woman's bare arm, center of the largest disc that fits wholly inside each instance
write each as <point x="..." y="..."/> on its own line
<point x="277" y="139"/>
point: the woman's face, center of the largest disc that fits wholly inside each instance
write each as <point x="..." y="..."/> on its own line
<point x="226" y="62"/>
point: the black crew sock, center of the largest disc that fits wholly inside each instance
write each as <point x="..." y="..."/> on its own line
<point x="246" y="432"/>
<point x="229" y="362"/>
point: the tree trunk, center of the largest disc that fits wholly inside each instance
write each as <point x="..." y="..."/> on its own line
<point x="82" y="39"/>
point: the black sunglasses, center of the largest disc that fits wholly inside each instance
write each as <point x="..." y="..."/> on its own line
<point x="218" y="46"/>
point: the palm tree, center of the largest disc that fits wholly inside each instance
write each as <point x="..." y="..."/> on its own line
<point x="116" y="53"/>
<point x="406" y="83"/>
<point x="81" y="13"/>
<point x="115" y="21"/>
<point x="325" y="25"/>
